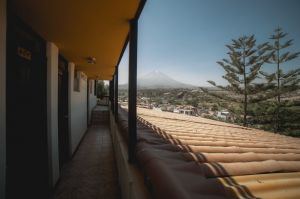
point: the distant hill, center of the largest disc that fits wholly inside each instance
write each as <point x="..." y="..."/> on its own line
<point x="155" y="80"/>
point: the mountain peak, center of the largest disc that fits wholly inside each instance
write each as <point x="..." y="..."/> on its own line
<point x="157" y="79"/>
<point x="155" y="74"/>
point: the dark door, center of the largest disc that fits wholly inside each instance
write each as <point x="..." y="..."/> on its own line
<point x="27" y="157"/>
<point x="63" y="130"/>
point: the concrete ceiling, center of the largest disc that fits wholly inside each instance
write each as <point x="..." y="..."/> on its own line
<point x="83" y="28"/>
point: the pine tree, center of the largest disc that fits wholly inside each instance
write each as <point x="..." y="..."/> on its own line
<point x="242" y="70"/>
<point x="102" y="89"/>
<point x="286" y="82"/>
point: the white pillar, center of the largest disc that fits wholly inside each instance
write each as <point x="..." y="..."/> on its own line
<point x="71" y="70"/>
<point x="2" y="97"/>
<point x="52" y="111"/>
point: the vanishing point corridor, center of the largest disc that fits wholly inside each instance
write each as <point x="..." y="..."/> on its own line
<point x="92" y="172"/>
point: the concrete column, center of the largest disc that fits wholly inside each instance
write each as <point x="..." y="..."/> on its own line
<point x="52" y="111"/>
<point x="71" y="70"/>
<point x="2" y="97"/>
<point x="116" y="96"/>
<point x="132" y="86"/>
<point x="112" y="93"/>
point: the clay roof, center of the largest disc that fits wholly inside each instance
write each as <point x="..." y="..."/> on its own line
<point x="192" y="157"/>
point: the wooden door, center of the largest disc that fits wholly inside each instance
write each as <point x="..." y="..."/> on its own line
<point x="27" y="149"/>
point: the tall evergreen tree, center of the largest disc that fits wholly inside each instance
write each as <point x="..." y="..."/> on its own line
<point x="286" y="82"/>
<point x="242" y="70"/>
<point x="102" y="89"/>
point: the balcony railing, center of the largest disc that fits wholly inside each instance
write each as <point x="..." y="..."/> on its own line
<point x="104" y="101"/>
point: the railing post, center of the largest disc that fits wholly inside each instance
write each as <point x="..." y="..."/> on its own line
<point x="116" y="76"/>
<point x="133" y="36"/>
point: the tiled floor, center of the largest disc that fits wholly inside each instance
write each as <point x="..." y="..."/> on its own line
<point x="101" y="108"/>
<point x="92" y="173"/>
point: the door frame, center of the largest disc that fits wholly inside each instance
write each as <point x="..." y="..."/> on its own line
<point x="3" y="97"/>
<point x="65" y="87"/>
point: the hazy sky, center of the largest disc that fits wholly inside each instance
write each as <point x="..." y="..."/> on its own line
<point x="185" y="38"/>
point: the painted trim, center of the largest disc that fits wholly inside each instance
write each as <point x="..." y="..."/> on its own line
<point x="3" y="21"/>
<point x="140" y="9"/>
<point x="137" y="16"/>
<point x="123" y="49"/>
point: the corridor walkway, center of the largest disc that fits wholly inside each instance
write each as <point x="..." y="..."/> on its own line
<point x="92" y="173"/>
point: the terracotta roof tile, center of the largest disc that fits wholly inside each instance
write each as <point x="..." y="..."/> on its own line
<point x="193" y="157"/>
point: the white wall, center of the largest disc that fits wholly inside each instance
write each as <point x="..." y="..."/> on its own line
<point x="52" y="111"/>
<point x="2" y="96"/>
<point x="92" y="99"/>
<point x="77" y="109"/>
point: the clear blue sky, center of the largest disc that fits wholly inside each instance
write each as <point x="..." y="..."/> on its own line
<point x="185" y="38"/>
